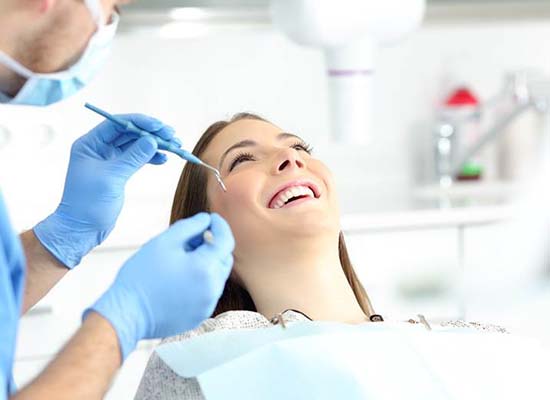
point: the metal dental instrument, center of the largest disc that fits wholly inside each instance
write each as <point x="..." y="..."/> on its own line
<point x="162" y="144"/>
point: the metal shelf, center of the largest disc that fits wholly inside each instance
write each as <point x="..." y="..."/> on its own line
<point x="443" y="11"/>
<point x="150" y="13"/>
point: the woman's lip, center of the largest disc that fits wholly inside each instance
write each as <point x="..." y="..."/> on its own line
<point x="309" y="184"/>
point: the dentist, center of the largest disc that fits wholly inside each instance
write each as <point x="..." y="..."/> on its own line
<point x="49" y="49"/>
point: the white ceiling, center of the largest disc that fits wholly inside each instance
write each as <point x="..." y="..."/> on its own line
<point x="161" y="4"/>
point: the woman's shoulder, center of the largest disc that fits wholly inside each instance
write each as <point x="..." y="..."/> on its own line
<point x="478" y="326"/>
<point x="159" y="381"/>
<point x="457" y="324"/>
<point x="234" y="320"/>
<point x="225" y="321"/>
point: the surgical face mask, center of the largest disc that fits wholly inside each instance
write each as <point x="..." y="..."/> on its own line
<point x="44" y="89"/>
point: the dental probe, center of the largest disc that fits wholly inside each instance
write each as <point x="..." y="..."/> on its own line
<point x="162" y="144"/>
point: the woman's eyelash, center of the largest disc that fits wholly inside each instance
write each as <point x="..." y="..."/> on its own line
<point x="250" y="157"/>
<point x="240" y="158"/>
<point x="301" y="145"/>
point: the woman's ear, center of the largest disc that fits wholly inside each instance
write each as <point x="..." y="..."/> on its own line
<point x="35" y="6"/>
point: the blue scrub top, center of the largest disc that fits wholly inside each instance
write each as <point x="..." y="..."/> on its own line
<point x="12" y="279"/>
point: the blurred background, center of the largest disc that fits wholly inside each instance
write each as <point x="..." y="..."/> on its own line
<point x="442" y="200"/>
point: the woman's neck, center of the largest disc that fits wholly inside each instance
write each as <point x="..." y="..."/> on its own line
<point x="312" y="282"/>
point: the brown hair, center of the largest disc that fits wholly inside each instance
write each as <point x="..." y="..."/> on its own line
<point x="190" y="202"/>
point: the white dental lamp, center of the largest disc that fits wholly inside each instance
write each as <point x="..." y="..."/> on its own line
<point x="348" y="31"/>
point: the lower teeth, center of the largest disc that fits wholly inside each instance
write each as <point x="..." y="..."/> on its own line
<point x="294" y="199"/>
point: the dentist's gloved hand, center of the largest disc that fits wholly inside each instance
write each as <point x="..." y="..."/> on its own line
<point x="101" y="163"/>
<point x="171" y="284"/>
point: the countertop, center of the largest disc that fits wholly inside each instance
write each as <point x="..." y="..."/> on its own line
<point x="425" y="218"/>
<point x="363" y="209"/>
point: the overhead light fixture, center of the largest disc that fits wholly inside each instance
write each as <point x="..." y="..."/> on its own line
<point x="188" y="13"/>
<point x="349" y="32"/>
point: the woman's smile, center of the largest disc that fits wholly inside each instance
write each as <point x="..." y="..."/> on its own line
<point x="293" y="193"/>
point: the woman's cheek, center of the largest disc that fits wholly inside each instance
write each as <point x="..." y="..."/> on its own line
<point x="325" y="175"/>
<point x="239" y="196"/>
<point x="239" y="208"/>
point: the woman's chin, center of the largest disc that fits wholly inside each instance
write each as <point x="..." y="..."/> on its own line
<point x="305" y="222"/>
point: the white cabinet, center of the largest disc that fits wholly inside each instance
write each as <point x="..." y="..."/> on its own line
<point x="124" y="385"/>
<point x="409" y="272"/>
<point x="503" y="258"/>
<point x="506" y="266"/>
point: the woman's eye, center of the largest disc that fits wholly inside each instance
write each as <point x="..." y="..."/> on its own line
<point x="239" y="159"/>
<point x="303" y="146"/>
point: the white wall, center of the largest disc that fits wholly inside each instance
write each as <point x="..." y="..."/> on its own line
<point x="199" y="80"/>
<point x="190" y="83"/>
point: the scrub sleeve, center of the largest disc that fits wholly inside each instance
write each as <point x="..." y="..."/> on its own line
<point x="12" y="278"/>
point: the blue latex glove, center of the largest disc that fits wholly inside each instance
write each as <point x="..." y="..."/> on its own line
<point x="170" y="285"/>
<point x="101" y="163"/>
<point x="12" y="278"/>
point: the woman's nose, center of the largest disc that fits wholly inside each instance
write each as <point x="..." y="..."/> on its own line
<point x="288" y="160"/>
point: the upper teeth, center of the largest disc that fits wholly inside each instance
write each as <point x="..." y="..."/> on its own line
<point x="289" y="193"/>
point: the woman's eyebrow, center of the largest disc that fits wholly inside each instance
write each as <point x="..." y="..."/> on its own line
<point x="242" y="143"/>
<point x="286" y="135"/>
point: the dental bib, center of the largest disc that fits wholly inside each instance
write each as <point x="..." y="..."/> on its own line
<point x="321" y="360"/>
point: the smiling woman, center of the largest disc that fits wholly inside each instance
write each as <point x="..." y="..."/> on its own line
<point x="290" y="265"/>
<point x="276" y="171"/>
<point x="290" y="257"/>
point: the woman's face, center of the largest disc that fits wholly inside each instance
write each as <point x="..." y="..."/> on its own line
<point x="276" y="190"/>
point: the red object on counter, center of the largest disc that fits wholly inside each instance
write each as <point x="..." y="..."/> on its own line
<point x="462" y="97"/>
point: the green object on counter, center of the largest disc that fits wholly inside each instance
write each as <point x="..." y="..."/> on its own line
<point x="471" y="170"/>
